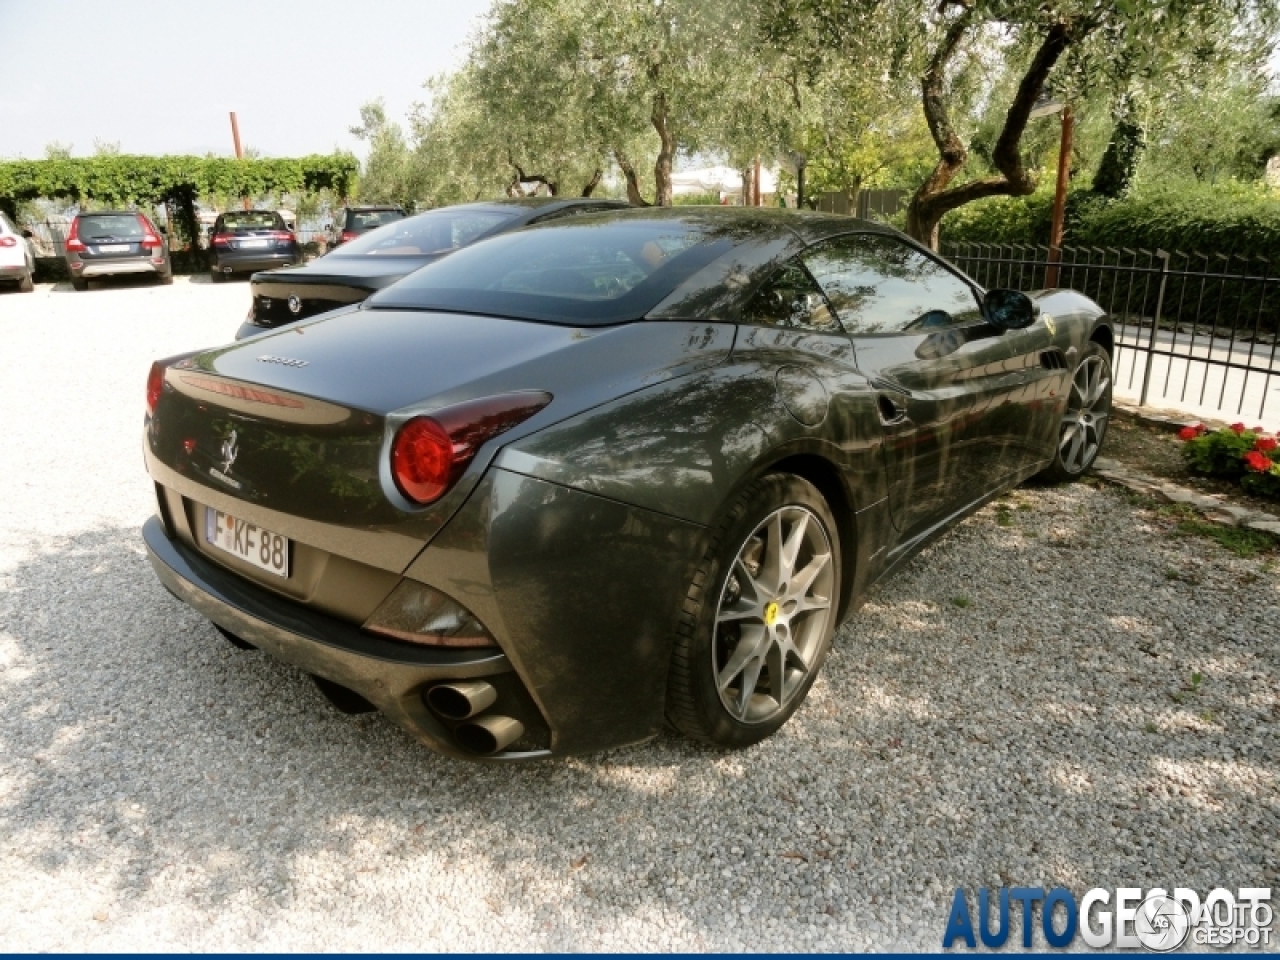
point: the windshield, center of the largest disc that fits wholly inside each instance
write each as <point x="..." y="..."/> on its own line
<point x="368" y="219"/>
<point x="592" y="271"/>
<point x="428" y="234"/>
<point x="251" y="220"/>
<point x="113" y="226"/>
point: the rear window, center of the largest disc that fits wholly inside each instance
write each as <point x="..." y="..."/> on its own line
<point x="369" y="219"/>
<point x="582" y="272"/>
<point x="251" y="220"/>
<point x="428" y="234"/>
<point x="97" y="226"/>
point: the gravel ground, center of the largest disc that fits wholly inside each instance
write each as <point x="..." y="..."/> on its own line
<point x="1015" y="708"/>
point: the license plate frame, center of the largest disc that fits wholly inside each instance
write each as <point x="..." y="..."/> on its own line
<point x="248" y="542"/>
<point x="113" y="248"/>
<point x="254" y="244"/>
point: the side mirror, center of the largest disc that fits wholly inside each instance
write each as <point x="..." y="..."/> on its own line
<point x="1009" y="309"/>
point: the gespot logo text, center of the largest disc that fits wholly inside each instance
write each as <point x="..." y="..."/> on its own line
<point x="1126" y="917"/>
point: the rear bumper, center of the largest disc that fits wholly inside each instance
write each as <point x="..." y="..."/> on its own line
<point x="582" y="593"/>
<point x="233" y="263"/>
<point x="13" y="271"/>
<point x="111" y="268"/>
<point x="389" y="675"/>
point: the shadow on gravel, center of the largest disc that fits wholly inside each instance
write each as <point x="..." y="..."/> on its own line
<point x="169" y="784"/>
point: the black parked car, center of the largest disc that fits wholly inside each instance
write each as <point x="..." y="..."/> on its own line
<point x="583" y="480"/>
<point x="248" y="240"/>
<point x="381" y="257"/>
<point x="357" y="221"/>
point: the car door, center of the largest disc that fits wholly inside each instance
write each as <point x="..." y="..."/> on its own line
<point x="952" y="389"/>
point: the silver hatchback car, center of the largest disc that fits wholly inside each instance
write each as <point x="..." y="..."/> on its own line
<point x="115" y="242"/>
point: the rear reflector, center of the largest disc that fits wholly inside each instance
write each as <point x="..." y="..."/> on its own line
<point x="416" y="613"/>
<point x="155" y="384"/>
<point x="430" y="453"/>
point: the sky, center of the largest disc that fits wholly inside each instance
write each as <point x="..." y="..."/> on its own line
<point x="161" y="76"/>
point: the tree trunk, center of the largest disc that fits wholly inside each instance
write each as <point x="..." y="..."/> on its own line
<point x="592" y="183"/>
<point x="800" y="168"/>
<point x="935" y="197"/>
<point x="634" y="196"/>
<point x="666" y="152"/>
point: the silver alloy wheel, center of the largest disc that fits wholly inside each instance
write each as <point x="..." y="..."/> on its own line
<point x="775" y="609"/>
<point x="1085" y="421"/>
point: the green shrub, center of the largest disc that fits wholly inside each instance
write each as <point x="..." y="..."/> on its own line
<point x="1227" y="218"/>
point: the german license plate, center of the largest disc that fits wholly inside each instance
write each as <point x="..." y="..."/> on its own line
<point x="266" y="550"/>
<point x="113" y="248"/>
<point x="252" y="244"/>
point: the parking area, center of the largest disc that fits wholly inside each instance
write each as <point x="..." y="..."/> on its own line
<point x="1019" y="708"/>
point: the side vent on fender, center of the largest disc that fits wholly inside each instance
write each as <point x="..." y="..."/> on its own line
<point x="1053" y="360"/>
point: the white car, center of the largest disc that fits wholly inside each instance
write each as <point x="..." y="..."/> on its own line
<point x="16" y="259"/>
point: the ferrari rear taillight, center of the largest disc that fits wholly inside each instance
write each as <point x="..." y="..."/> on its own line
<point x="74" y="244"/>
<point x="155" y="383"/>
<point x="430" y="453"/>
<point x="7" y="241"/>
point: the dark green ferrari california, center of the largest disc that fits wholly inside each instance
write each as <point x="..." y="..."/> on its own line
<point x="585" y="478"/>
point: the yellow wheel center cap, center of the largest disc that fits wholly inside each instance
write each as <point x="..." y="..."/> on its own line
<point x="771" y="614"/>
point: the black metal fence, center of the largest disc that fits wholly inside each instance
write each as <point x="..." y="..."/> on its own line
<point x="1192" y="329"/>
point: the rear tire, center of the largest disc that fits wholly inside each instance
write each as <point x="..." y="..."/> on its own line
<point x="758" y="617"/>
<point x="26" y="284"/>
<point x="80" y="286"/>
<point x="166" y="278"/>
<point x="218" y="276"/>
<point x="1084" y="422"/>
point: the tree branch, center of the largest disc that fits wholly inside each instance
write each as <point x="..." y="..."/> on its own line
<point x="634" y="196"/>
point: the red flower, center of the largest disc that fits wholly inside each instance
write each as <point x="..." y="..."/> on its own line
<point x="1257" y="462"/>
<point x="1237" y="428"/>
<point x="1188" y="433"/>
<point x="1264" y="444"/>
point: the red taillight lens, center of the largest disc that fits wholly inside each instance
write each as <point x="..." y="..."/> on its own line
<point x="222" y="239"/>
<point x="149" y="239"/>
<point x="430" y="453"/>
<point x="155" y="383"/>
<point x="348" y="235"/>
<point x="422" y="460"/>
<point x="8" y="242"/>
<point x="73" y="238"/>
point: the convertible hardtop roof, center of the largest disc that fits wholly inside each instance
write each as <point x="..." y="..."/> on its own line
<point x="762" y="222"/>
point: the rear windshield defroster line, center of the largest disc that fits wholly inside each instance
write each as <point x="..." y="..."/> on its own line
<point x="470" y="281"/>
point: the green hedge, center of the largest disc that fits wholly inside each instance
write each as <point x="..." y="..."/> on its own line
<point x="139" y="180"/>
<point x="1229" y="218"/>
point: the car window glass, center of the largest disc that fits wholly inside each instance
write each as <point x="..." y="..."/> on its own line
<point x="580" y="270"/>
<point x="251" y="220"/>
<point x="109" y="226"/>
<point x="368" y="219"/>
<point x="427" y="234"/>
<point x="790" y="298"/>
<point x="878" y="284"/>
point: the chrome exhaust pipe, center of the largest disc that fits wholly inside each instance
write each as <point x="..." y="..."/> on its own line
<point x="461" y="701"/>
<point x="489" y="735"/>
